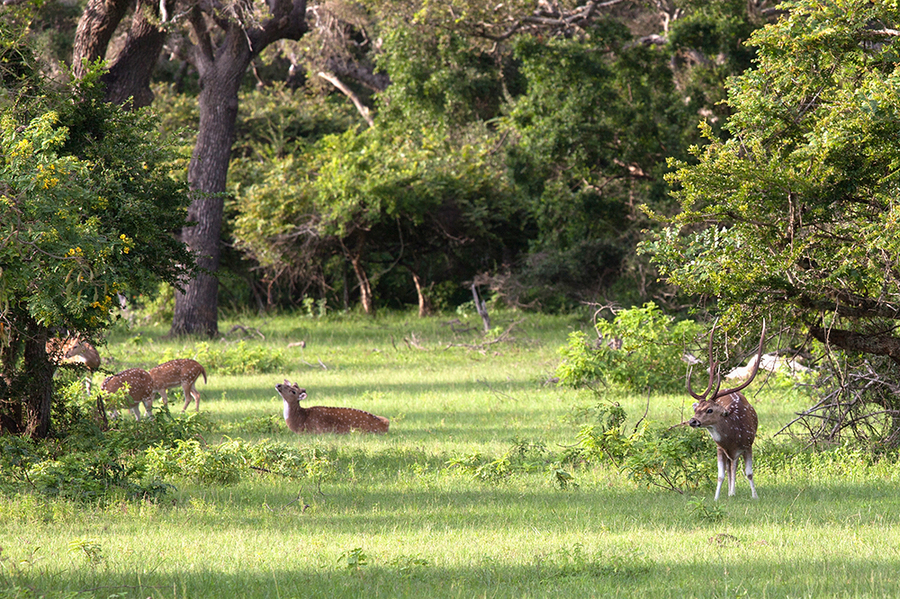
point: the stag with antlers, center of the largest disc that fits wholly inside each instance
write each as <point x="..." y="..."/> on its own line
<point x="730" y="420"/>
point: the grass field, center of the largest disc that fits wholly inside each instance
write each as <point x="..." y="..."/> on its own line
<point x="393" y="517"/>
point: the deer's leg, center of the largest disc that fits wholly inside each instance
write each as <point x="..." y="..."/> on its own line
<point x="196" y="395"/>
<point x="188" y="395"/>
<point x="148" y="406"/>
<point x="165" y="398"/>
<point x="720" y="460"/>
<point x="732" y="474"/>
<point x="748" y="470"/>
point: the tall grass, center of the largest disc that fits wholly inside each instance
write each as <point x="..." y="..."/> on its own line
<point x="402" y="515"/>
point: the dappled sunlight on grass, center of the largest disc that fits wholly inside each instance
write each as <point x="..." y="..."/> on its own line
<point x="467" y="495"/>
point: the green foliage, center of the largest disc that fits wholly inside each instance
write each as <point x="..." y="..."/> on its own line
<point x="90" y="549"/>
<point x="88" y="212"/>
<point x="676" y="459"/>
<point x="577" y="561"/>
<point x="225" y="464"/>
<point x="591" y="133"/>
<point x="641" y="349"/>
<point x="238" y="358"/>
<point x="354" y="559"/>
<point x="795" y="211"/>
<point x="219" y="465"/>
<point x="521" y="457"/>
<point x="703" y="510"/>
<point x="673" y="458"/>
<point x="438" y="76"/>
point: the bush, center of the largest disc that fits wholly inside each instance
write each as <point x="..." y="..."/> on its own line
<point x="641" y="349"/>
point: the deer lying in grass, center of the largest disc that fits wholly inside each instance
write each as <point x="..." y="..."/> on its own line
<point x="319" y="419"/>
<point x="730" y="420"/>
<point x="140" y="389"/>
<point x="178" y="373"/>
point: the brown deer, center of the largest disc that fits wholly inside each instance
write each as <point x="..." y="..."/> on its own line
<point x="140" y="389"/>
<point x="73" y="350"/>
<point x="730" y="420"/>
<point x="174" y="373"/>
<point x="319" y="419"/>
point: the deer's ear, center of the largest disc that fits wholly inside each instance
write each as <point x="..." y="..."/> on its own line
<point x="695" y="405"/>
<point x="302" y="396"/>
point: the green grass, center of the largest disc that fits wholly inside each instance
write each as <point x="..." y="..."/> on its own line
<point x="393" y="519"/>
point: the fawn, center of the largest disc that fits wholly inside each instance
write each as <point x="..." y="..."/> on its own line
<point x="182" y="372"/>
<point x="140" y="389"/>
<point x="730" y="420"/>
<point x="319" y="419"/>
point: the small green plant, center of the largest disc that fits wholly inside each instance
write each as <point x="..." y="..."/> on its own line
<point x="354" y="559"/>
<point x="408" y="565"/>
<point x="563" y="479"/>
<point x="90" y="549"/>
<point x="700" y="508"/>
<point x="576" y="561"/>
<point x="523" y="456"/>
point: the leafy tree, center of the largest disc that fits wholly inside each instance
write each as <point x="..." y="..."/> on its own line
<point x="589" y="141"/>
<point x="794" y="214"/>
<point x="87" y="212"/>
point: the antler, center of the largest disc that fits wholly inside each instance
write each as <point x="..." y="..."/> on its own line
<point x="759" y="350"/>
<point x="713" y="366"/>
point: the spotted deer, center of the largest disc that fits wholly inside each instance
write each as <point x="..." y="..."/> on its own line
<point x="140" y="389"/>
<point x="730" y="420"/>
<point x="73" y="350"/>
<point x="319" y="419"/>
<point x="178" y="373"/>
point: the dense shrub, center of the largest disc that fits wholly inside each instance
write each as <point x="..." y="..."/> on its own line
<point x="641" y="349"/>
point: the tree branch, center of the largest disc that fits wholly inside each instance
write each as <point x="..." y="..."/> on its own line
<point x="360" y="107"/>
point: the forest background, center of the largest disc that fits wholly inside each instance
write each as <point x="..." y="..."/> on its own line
<point x="513" y="145"/>
<point x="397" y="154"/>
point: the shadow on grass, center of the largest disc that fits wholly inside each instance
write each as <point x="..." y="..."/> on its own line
<point x="597" y="573"/>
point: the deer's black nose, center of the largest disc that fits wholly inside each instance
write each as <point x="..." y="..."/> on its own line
<point x="694" y="422"/>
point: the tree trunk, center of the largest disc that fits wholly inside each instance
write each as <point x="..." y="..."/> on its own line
<point x="37" y="382"/>
<point x="128" y="78"/>
<point x="95" y="29"/>
<point x="425" y="308"/>
<point x="221" y="70"/>
<point x="196" y="306"/>
<point x="365" y="287"/>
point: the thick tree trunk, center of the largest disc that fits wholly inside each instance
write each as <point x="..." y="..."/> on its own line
<point x="37" y="383"/>
<point x="128" y="78"/>
<point x="196" y="307"/>
<point x="95" y="29"/>
<point x="222" y="68"/>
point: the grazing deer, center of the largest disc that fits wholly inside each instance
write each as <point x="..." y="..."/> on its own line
<point x="140" y="389"/>
<point x="73" y="350"/>
<point x="730" y="420"/>
<point x="319" y="419"/>
<point x="178" y="373"/>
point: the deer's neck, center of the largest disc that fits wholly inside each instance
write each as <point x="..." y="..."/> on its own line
<point x="294" y="416"/>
